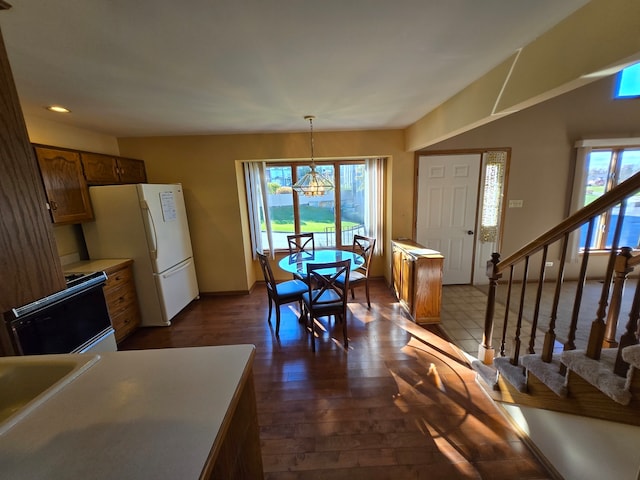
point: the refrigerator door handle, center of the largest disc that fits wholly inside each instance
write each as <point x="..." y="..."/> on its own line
<point x="154" y="250"/>
<point x="175" y="270"/>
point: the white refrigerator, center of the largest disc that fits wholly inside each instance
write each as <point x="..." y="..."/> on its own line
<point x="147" y="223"/>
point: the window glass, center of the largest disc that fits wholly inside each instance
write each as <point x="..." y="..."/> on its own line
<point x="317" y="213"/>
<point x="629" y="165"/>
<point x="280" y="202"/>
<point x="605" y="169"/>
<point x="351" y="202"/>
<point x="628" y="82"/>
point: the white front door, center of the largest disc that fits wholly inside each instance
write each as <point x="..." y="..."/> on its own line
<point x="447" y="200"/>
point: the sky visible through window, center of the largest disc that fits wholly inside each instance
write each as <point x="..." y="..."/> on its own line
<point x="628" y="84"/>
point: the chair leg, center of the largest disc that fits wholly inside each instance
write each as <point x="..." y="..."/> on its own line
<point x="344" y="330"/>
<point x="270" y="306"/>
<point x="277" y="320"/>
<point x="353" y="295"/>
<point x="366" y="287"/>
<point x="313" y="331"/>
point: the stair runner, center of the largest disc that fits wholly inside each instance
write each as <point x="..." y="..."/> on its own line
<point x="598" y="373"/>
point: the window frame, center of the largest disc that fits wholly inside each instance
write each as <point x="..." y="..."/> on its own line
<point x="584" y="149"/>
<point x="336" y="192"/>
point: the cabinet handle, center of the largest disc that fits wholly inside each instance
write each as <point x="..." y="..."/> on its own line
<point x="54" y="205"/>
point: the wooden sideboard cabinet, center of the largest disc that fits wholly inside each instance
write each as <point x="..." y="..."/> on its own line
<point x="417" y="280"/>
<point x="100" y="169"/>
<point x="122" y="300"/>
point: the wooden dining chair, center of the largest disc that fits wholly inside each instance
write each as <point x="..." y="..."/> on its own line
<point x="359" y="276"/>
<point x="279" y="293"/>
<point x="325" y="296"/>
<point x="302" y="244"/>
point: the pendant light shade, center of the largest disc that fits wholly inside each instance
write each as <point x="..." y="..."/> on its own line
<point x="312" y="184"/>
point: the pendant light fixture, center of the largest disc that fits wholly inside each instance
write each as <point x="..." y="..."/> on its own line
<point x="313" y="184"/>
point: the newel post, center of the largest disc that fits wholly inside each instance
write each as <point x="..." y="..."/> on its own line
<point x="621" y="269"/>
<point x="485" y="351"/>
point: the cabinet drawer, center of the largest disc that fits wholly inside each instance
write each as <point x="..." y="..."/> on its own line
<point x="125" y="323"/>
<point x="117" y="278"/>
<point x="120" y="299"/>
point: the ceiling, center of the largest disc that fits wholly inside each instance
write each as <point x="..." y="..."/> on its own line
<point x="161" y="67"/>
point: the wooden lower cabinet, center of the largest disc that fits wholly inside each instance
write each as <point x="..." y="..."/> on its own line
<point x="417" y="280"/>
<point x="122" y="300"/>
<point x="238" y="455"/>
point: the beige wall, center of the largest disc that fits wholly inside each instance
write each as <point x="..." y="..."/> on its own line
<point x="542" y="140"/>
<point x="208" y="167"/>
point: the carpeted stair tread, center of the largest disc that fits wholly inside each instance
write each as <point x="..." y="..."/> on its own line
<point x="631" y="355"/>
<point x="487" y="373"/>
<point x="514" y="374"/>
<point x="599" y="373"/>
<point x="547" y="373"/>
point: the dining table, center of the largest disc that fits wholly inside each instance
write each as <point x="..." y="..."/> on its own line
<point x="297" y="262"/>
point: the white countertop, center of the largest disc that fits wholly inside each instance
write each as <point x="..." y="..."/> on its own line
<point x="132" y="415"/>
<point x="90" y="266"/>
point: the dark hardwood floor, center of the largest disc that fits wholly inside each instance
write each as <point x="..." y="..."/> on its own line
<point x="400" y="403"/>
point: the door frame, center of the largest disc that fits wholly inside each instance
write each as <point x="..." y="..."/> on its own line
<point x="481" y="251"/>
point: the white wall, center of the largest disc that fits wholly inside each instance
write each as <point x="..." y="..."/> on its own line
<point x="581" y="448"/>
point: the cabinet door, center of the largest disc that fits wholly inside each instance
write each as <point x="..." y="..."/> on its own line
<point x="406" y="294"/>
<point x="100" y="169"/>
<point x="64" y="185"/>
<point x="397" y="271"/>
<point x="131" y="170"/>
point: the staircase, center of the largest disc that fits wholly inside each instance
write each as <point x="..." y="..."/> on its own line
<point x="538" y="365"/>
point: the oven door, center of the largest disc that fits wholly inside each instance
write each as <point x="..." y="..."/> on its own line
<point x="63" y="326"/>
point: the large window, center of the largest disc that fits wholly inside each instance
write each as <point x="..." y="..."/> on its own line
<point x="353" y="207"/>
<point x="604" y="168"/>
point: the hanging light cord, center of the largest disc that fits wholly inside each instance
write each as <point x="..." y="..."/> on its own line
<point x="310" y="118"/>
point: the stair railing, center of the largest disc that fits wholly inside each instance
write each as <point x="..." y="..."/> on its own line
<point x="620" y="262"/>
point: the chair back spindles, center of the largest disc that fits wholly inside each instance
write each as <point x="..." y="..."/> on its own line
<point x="327" y="294"/>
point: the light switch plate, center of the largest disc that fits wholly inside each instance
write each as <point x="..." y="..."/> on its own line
<point x="515" y="203"/>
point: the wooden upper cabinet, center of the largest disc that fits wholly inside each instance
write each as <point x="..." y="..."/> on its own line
<point x="131" y="170"/>
<point x="65" y="185"/>
<point x="99" y="169"/>
<point x="102" y="169"/>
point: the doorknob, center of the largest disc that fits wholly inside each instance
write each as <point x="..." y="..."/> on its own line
<point x="469" y="232"/>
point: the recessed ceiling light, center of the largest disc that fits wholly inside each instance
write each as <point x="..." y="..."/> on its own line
<point x="58" y="109"/>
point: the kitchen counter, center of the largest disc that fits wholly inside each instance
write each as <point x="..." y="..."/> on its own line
<point x="90" y="266"/>
<point x="161" y="414"/>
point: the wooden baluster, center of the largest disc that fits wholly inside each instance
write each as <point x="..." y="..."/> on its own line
<point x="577" y="301"/>
<point x="630" y="336"/>
<point x="515" y="359"/>
<point x="621" y="271"/>
<point x="550" y="336"/>
<point x="596" y="336"/>
<point x="505" y="324"/>
<point x="485" y="350"/>
<point x="536" y="308"/>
